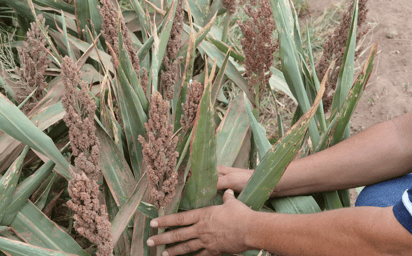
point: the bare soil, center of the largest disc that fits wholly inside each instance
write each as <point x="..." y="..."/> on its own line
<point x="388" y="94"/>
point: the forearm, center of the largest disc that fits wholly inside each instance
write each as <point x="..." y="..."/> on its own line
<point x="353" y="231"/>
<point x="376" y="154"/>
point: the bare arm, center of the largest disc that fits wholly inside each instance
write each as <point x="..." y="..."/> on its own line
<point x="381" y="152"/>
<point x="233" y="228"/>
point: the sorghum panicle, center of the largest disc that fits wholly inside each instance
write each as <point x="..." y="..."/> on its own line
<point x="334" y="49"/>
<point x="193" y="97"/>
<point x="159" y="152"/>
<point x="230" y="6"/>
<point x="34" y="62"/>
<point x="169" y="76"/>
<point x="90" y="218"/>
<point x="258" y="44"/>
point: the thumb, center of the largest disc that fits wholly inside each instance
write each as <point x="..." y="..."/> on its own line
<point x="228" y="195"/>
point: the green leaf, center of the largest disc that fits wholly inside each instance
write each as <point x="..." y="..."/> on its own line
<point x="277" y="81"/>
<point x="134" y="118"/>
<point x="201" y="187"/>
<point x="127" y="211"/>
<point x="35" y="228"/>
<point x="296" y="205"/>
<point x="165" y="34"/>
<point x="130" y="73"/>
<point x="345" y="78"/>
<point x="17" y="248"/>
<point x="26" y="189"/>
<point x="290" y="60"/>
<point x="259" y="133"/>
<point x="232" y="132"/>
<point x="196" y="10"/>
<point x="140" y="14"/>
<point x="148" y="209"/>
<point x="41" y="201"/>
<point x="231" y="71"/>
<point x="217" y="84"/>
<point x="115" y="169"/>
<point x="9" y="181"/>
<point x="17" y="125"/>
<point x="354" y="95"/>
<point x="271" y="168"/>
<point x="87" y="12"/>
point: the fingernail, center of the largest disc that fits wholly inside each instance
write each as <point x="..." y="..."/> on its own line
<point x="231" y="191"/>
<point x="154" y="224"/>
<point x="165" y="253"/>
<point x="150" y="242"/>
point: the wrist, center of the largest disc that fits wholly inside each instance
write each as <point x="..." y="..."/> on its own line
<point x="251" y="235"/>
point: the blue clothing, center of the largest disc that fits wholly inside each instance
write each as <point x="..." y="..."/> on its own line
<point x="396" y="193"/>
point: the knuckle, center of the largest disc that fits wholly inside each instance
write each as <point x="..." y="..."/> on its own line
<point x="186" y="248"/>
<point x="176" y="236"/>
<point x="180" y="219"/>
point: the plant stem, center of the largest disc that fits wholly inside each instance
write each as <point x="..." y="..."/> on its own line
<point x="226" y="27"/>
<point x="160" y="248"/>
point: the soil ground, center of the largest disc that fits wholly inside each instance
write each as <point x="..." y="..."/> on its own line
<point x="388" y="94"/>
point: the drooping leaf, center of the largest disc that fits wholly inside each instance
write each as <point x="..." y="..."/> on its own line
<point x="17" y="125"/>
<point x="271" y="168"/>
<point x="115" y="169"/>
<point x="232" y="132"/>
<point x="127" y="211"/>
<point x="8" y="183"/>
<point x="17" y="248"/>
<point x="37" y="229"/>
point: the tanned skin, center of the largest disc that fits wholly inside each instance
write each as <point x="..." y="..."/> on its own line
<point x="379" y="153"/>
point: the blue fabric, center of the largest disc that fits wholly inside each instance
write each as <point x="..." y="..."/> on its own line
<point x="389" y="193"/>
<point x="384" y="194"/>
<point x="402" y="214"/>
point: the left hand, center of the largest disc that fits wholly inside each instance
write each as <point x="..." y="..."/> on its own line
<point x="216" y="229"/>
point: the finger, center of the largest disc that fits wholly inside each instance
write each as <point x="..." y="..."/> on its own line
<point x="223" y="182"/>
<point x="222" y="170"/>
<point x="228" y="195"/>
<point x="178" y="219"/>
<point x="174" y="236"/>
<point x="183" y="248"/>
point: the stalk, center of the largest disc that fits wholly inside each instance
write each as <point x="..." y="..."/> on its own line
<point x="160" y="248"/>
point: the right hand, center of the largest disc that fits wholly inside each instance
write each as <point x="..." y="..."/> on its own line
<point x="233" y="178"/>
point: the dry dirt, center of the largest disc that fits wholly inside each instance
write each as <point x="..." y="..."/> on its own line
<point x="388" y="94"/>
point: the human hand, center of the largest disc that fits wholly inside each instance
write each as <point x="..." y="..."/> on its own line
<point x="216" y="229"/>
<point x="233" y="178"/>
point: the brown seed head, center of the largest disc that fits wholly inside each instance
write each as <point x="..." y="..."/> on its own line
<point x="159" y="152"/>
<point x="169" y="76"/>
<point x="334" y="48"/>
<point x="258" y="44"/>
<point x="193" y="97"/>
<point x="34" y="62"/>
<point x="110" y="18"/>
<point x="90" y="219"/>
<point x="230" y="6"/>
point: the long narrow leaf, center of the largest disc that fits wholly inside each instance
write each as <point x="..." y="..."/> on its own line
<point x="272" y="166"/>
<point x="17" y="125"/>
<point x="9" y="181"/>
<point x="16" y="248"/>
